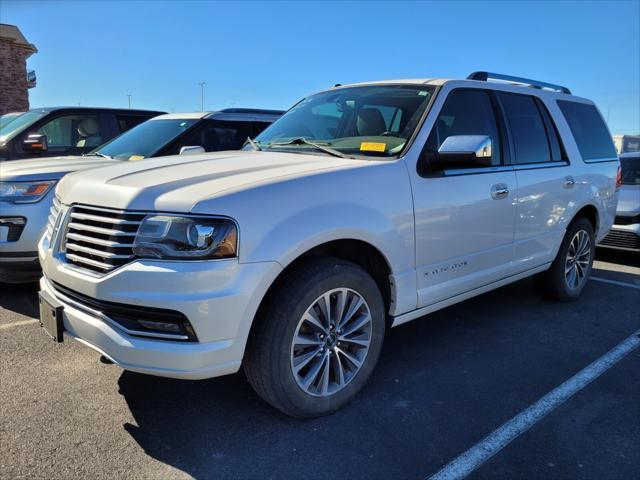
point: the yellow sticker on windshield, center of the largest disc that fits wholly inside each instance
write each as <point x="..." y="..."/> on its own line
<point x="373" y="147"/>
<point x="133" y="158"/>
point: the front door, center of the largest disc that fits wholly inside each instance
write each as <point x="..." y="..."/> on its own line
<point x="464" y="218"/>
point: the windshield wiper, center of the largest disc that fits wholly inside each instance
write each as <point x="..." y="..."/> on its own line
<point x="253" y="144"/>
<point x="97" y="154"/>
<point x="304" y="141"/>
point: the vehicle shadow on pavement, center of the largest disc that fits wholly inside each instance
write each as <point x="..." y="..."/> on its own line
<point x="445" y="373"/>
<point x="22" y="299"/>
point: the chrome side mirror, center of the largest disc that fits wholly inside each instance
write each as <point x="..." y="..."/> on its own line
<point x="464" y="151"/>
<point x="192" y="149"/>
<point x="35" y="142"/>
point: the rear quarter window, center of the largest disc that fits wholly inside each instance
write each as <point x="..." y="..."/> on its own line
<point x="589" y="131"/>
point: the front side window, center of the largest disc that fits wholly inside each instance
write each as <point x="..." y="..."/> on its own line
<point x="146" y="139"/>
<point x="216" y="136"/>
<point x="465" y="112"/>
<point x="369" y="120"/>
<point x="258" y="127"/>
<point x="526" y="128"/>
<point x="589" y="130"/>
<point x="82" y="131"/>
<point x="127" y="122"/>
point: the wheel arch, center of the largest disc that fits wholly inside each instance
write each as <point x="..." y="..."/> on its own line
<point x="360" y="252"/>
<point x="590" y="212"/>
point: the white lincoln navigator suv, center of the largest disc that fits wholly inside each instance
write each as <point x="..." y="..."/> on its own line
<point x="364" y="207"/>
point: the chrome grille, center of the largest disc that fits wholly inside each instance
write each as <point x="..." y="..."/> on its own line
<point x="620" y="220"/>
<point x="100" y="239"/>
<point x="620" y="239"/>
<point x="53" y="216"/>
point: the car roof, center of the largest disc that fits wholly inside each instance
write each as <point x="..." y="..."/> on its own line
<point x="106" y="109"/>
<point x="225" y="114"/>
<point x="494" y="81"/>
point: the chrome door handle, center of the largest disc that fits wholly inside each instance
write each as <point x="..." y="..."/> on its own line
<point x="569" y="182"/>
<point x="499" y="191"/>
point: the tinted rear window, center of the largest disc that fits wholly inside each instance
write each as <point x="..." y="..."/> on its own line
<point x="527" y="129"/>
<point x="589" y="130"/>
<point x="630" y="170"/>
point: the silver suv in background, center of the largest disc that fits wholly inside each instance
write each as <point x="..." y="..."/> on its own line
<point x="363" y="207"/>
<point x="625" y="232"/>
<point x="27" y="186"/>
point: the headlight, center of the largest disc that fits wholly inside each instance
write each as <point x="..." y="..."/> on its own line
<point x="24" y="192"/>
<point x="183" y="238"/>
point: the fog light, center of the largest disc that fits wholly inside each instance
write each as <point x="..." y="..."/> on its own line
<point x="160" y="326"/>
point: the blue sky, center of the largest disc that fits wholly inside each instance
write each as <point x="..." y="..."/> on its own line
<point x="270" y="54"/>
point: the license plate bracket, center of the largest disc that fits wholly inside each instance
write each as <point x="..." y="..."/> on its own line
<point x="51" y="316"/>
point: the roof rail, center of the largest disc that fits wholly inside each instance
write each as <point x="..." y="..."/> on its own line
<point x="251" y="110"/>
<point x="485" y="76"/>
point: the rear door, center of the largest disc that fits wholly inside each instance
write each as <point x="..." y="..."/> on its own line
<point x="464" y="227"/>
<point x="543" y="175"/>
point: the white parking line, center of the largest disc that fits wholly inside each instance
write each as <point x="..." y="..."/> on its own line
<point x="615" y="282"/>
<point x="19" y="323"/>
<point x="482" y="451"/>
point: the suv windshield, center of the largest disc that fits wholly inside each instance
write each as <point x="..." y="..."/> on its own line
<point x="630" y="167"/>
<point x="8" y="117"/>
<point x="145" y="139"/>
<point x="375" y="120"/>
<point x="18" y="124"/>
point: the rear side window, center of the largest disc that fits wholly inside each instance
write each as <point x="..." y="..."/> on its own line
<point x="527" y="129"/>
<point x="589" y="130"/>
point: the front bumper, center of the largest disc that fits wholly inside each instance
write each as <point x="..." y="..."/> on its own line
<point x="219" y="298"/>
<point x="18" y="253"/>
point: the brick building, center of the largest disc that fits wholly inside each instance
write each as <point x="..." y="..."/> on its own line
<point x="14" y="84"/>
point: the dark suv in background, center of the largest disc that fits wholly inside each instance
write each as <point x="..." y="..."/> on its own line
<point x="195" y="132"/>
<point x="59" y="131"/>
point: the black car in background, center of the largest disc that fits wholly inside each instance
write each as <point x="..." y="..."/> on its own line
<point x="60" y="131"/>
<point x="188" y="133"/>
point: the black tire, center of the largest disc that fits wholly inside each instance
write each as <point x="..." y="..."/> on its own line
<point x="268" y="356"/>
<point x="553" y="283"/>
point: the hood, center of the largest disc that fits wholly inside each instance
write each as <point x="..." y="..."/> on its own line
<point x="177" y="183"/>
<point x="629" y="200"/>
<point x="49" y="168"/>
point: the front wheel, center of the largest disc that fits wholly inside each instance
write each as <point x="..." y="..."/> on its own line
<point x="318" y="341"/>
<point x="569" y="272"/>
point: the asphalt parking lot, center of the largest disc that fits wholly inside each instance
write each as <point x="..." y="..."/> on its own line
<point x="443" y="384"/>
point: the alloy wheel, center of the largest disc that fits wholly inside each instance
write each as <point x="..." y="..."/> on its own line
<point x="578" y="259"/>
<point x="331" y="342"/>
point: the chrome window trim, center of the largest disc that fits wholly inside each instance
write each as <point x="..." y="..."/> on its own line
<point x="454" y="172"/>
<point x="601" y="160"/>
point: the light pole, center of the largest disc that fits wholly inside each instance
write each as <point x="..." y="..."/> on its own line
<point x="129" y="97"/>
<point x="202" y="84"/>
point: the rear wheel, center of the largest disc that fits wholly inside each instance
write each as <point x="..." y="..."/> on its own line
<point x="319" y="340"/>
<point x="569" y="272"/>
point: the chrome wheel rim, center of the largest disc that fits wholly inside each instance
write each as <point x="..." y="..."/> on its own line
<point x="331" y="342"/>
<point x="576" y="266"/>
